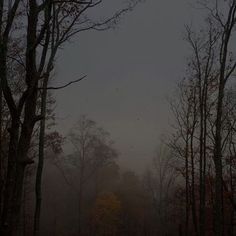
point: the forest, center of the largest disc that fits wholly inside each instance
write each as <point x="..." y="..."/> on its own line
<point x="68" y="176"/>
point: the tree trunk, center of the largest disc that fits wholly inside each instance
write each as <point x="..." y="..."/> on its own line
<point x="194" y="213"/>
<point x="10" y="181"/>
<point x="187" y="185"/>
<point x="38" y="190"/>
<point x="203" y="126"/>
<point x="80" y="198"/>
<point x="218" y="203"/>
<point x="1" y="157"/>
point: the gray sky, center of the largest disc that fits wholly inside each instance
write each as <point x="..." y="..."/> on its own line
<point x="131" y="71"/>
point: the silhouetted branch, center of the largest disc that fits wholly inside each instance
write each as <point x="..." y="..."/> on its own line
<point x="66" y="85"/>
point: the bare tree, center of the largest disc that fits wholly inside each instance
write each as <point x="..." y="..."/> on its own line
<point x="202" y="72"/>
<point x="210" y="67"/>
<point x="160" y="182"/>
<point x="41" y="28"/>
<point x="93" y="150"/>
<point x="226" y="22"/>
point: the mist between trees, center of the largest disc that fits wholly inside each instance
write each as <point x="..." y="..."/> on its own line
<point x="190" y="187"/>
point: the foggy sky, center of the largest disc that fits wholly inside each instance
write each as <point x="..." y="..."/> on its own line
<point x="131" y="71"/>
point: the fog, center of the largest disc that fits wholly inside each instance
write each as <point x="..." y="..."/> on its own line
<point x="132" y="70"/>
<point x="117" y="118"/>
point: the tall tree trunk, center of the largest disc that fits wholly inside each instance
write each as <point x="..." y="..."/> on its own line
<point x="205" y="97"/>
<point x="80" y="198"/>
<point x="7" y="211"/>
<point x="1" y="110"/>
<point x="218" y="203"/>
<point x="38" y="189"/>
<point x="10" y="181"/>
<point x="201" y="161"/>
<point x="203" y="126"/>
<point x="2" y="161"/>
<point x="22" y="158"/>
<point x="193" y="199"/>
<point x="30" y="117"/>
<point x="187" y="184"/>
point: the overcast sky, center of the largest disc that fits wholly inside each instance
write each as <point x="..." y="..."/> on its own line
<point x="131" y="71"/>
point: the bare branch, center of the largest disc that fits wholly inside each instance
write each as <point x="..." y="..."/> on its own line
<point x="66" y="85"/>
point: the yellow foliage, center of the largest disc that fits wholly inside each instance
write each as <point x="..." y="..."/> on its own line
<point x="106" y="214"/>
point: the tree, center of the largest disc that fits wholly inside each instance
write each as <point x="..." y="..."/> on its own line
<point x="203" y="91"/>
<point x="40" y="28"/>
<point x="160" y="182"/>
<point x="93" y="149"/>
<point x="181" y="141"/>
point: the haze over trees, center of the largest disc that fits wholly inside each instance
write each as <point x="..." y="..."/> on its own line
<point x="188" y="189"/>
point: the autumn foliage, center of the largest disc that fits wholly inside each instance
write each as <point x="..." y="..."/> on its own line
<point x="106" y="214"/>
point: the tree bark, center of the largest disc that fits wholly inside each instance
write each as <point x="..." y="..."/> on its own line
<point x="38" y="190"/>
<point x="218" y="203"/>
<point x="187" y="180"/>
